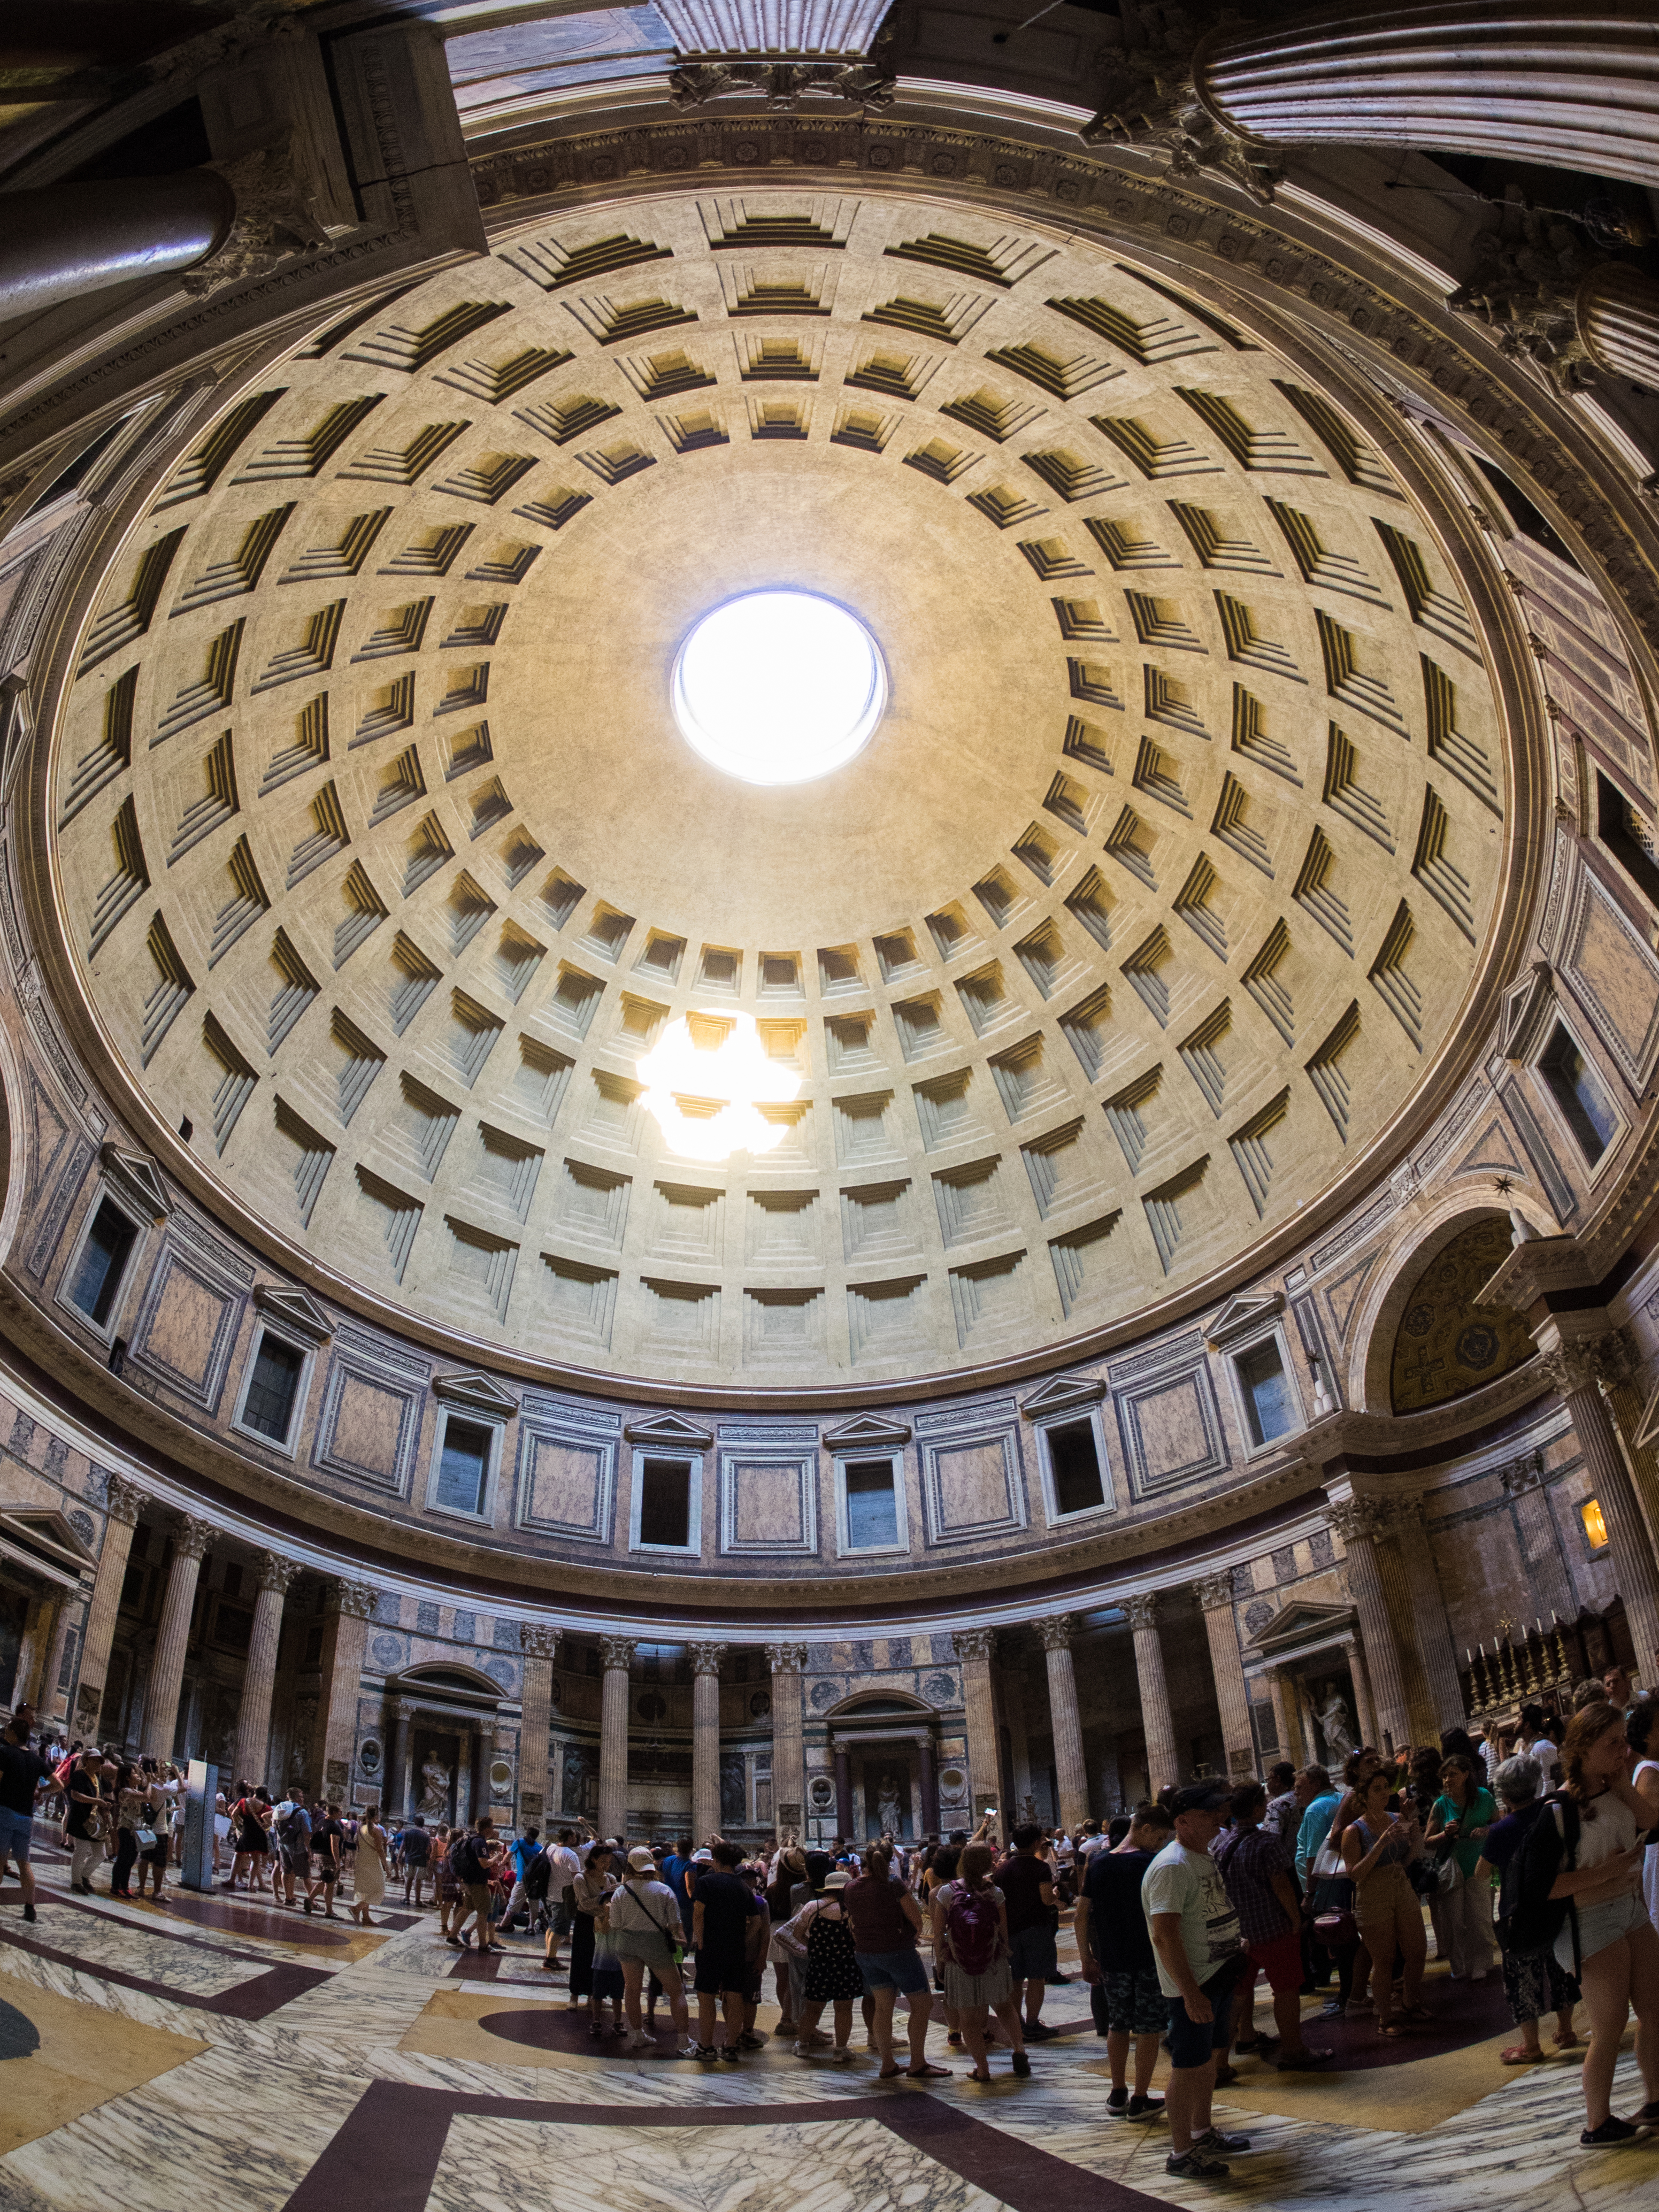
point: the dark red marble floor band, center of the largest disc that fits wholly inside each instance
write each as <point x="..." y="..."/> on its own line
<point x="255" y="1999"/>
<point x="387" y="2152"/>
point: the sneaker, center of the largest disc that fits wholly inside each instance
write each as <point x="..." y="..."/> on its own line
<point x="1647" y="2117"/>
<point x="1304" y="2061"/>
<point x="1214" y="2140"/>
<point x="801" y="2049"/>
<point x="1118" y="2103"/>
<point x="688" y="2050"/>
<point x="729" y="2052"/>
<point x="1196" y="2165"/>
<point x="1144" y="2108"/>
<point x="1036" y="2033"/>
<point x="1334" y="2010"/>
<point x="1022" y="2065"/>
<point x="28" y="1913"/>
<point x="642" y="2041"/>
<point x="840" y="2055"/>
<point x="707" y="2051"/>
<point x="749" y="2041"/>
<point x="1612" y="2130"/>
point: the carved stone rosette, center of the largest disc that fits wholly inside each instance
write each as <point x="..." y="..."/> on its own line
<point x="616" y="1653"/>
<point x="1140" y="1609"/>
<point x="1054" y="1631"/>
<point x="707" y="1658"/>
<point x="537" y="1640"/>
<point x="786" y="1658"/>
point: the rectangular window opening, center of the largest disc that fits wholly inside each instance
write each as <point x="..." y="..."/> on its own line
<point x="871" y="1504"/>
<point x="666" y="1502"/>
<point x="463" y="1466"/>
<point x="1268" y="1406"/>
<point x="1075" y="1464"/>
<point x="272" y="1388"/>
<point x="1572" y="1084"/>
<point x="1595" y="1526"/>
<point x="1627" y="837"/>
<point x="102" y="1263"/>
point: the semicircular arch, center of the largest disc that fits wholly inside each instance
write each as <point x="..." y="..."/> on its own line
<point x="1432" y="1237"/>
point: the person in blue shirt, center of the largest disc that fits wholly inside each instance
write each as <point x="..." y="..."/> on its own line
<point x="522" y="1853"/>
<point x="1316" y="1821"/>
<point x="673" y="1865"/>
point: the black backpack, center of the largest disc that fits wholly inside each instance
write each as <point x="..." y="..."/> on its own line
<point x="464" y="1860"/>
<point x="537" y="1875"/>
<point x="1550" y="1848"/>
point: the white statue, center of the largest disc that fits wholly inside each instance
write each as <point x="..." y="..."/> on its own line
<point x="1335" y="1724"/>
<point x="435" y="1781"/>
<point x="889" y="1817"/>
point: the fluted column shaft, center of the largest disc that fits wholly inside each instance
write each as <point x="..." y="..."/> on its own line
<point x="260" y="1677"/>
<point x="973" y="1648"/>
<point x="706" y="1660"/>
<point x="394" y="1797"/>
<point x="617" y="1656"/>
<point x="345" y="1638"/>
<point x="927" y="1778"/>
<point x="1290" y="1715"/>
<point x="190" y="1539"/>
<point x="539" y="1645"/>
<point x="1163" y="1765"/>
<point x="1215" y="1597"/>
<point x="40" y="1625"/>
<point x="1360" y="1522"/>
<point x="1055" y="1634"/>
<point x="789" y="1663"/>
<point x="50" y="1702"/>
<point x="1525" y="80"/>
<point x="1577" y="1371"/>
<point x="1428" y="1619"/>
<point x="1406" y="1607"/>
<point x="122" y="1502"/>
<point x="1617" y="311"/>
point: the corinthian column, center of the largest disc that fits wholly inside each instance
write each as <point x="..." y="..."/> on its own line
<point x="349" y="1609"/>
<point x="1162" y="1766"/>
<point x="1055" y="1633"/>
<point x="789" y="1663"/>
<point x="539" y="1644"/>
<point x="259" y="1676"/>
<point x="1360" y="1522"/>
<point x="122" y="1503"/>
<point x="973" y="1648"/>
<point x="705" y="1739"/>
<point x="1215" y="1596"/>
<point x="1572" y="87"/>
<point x="617" y="1657"/>
<point x="190" y="1539"/>
<point x="1577" y="1370"/>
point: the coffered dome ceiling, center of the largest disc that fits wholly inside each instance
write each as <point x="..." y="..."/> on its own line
<point x="1161" y="883"/>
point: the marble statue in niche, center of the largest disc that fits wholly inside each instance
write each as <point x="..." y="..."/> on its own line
<point x="890" y="1804"/>
<point x="436" y="1762"/>
<point x="436" y="1782"/>
<point x="734" y="1791"/>
<point x="1335" y="1724"/>
<point x="581" y="1779"/>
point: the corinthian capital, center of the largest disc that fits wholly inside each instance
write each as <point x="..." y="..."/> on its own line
<point x="356" y="1600"/>
<point x="786" y="1658"/>
<point x="1140" y="1609"/>
<point x="1157" y="99"/>
<point x="707" y="1658"/>
<point x="1214" y="1591"/>
<point x="1054" y="1631"/>
<point x="974" y="1642"/>
<point x="123" y="1499"/>
<point x="276" y="1572"/>
<point x="192" y="1537"/>
<point x="1357" y="1520"/>
<point x="616" y="1652"/>
<point x="1586" y="1361"/>
<point x="537" y="1640"/>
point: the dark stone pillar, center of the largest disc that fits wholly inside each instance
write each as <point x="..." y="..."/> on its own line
<point x="843" y="1791"/>
<point x="73" y="238"/>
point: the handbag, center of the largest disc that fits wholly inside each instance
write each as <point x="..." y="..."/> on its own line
<point x="1336" y="1931"/>
<point x="145" y="1839"/>
<point x="1449" y="1874"/>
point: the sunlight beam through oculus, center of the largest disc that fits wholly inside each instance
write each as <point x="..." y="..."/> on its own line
<point x="779" y="687"/>
<point x="708" y="1079"/>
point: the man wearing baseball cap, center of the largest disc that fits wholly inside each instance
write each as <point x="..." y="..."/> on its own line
<point x="1198" y="1948"/>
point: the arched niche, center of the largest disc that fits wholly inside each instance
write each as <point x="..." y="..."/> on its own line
<point x="1432" y="1341"/>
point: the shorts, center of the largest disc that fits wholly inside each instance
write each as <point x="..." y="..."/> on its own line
<point x="16" y="1831"/>
<point x="1135" y="2004"/>
<point x="720" y="1970"/>
<point x="653" y="1950"/>
<point x="1191" y="2042"/>
<point x="1599" y="1925"/>
<point x="1031" y="1954"/>
<point x="297" y="1862"/>
<point x="1280" y="1961"/>
<point x="323" y="1869"/>
<point x="893" y="1969"/>
<point x="477" y="1894"/>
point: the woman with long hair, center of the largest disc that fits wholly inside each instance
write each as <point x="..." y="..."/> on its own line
<point x="368" y="1882"/>
<point x="1458" y="1823"/>
<point x="1377" y="1847"/>
<point x="970" y="1942"/>
<point x="1608" y="1937"/>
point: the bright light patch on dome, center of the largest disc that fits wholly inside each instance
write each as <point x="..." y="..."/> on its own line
<point x="708" y="1076"/>
<point x="779" y="687"/>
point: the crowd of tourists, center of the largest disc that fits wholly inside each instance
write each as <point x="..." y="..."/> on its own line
<point x="1532" y="1856"/>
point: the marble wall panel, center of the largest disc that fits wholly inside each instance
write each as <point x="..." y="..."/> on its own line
<point x="973" y="1487"/>
<point x="768" y="1502"/>
<point x="186" y="1325"/>
<point x="567" y="1482"/>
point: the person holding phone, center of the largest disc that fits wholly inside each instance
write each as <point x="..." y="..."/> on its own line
<point x="1457" y="1825"/>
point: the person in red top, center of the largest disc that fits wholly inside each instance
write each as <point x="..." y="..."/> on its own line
<point x="886" y="1922"/>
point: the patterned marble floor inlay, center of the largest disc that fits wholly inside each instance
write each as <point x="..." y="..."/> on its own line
<point x="288" y="2075"/>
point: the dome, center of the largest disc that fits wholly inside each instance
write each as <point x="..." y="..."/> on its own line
<point x="1149" y="915"/>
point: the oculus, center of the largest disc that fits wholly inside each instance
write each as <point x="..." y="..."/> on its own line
<point x="779" y="687"/>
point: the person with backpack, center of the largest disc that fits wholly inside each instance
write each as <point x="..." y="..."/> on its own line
<point x="1533" y="1982"/>
<point x="971" y="1942"/>
<point x="1580" y="1898"/>
<point x="523" y="1855"/>
<point x="469" y="1859"/>
<point x="293" y="1834"/>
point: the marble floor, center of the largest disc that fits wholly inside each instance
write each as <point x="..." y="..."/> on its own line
<point x="267" y="2062"/>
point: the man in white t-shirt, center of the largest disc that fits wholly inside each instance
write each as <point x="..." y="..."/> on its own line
<point x="1199" y="1948"/>
<point x="563" y="1868"/>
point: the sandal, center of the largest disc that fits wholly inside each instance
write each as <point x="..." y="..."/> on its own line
<point x="1569" y="2041"/>
<point x="926" y="2073"/>
<point x="1519" y="2054"/>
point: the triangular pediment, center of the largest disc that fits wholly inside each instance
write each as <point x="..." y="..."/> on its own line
<point x="16" y="730"/>
<point x="48" y="1534"/>
<point x="1240" y="1316"/>
<point x="1521" y="1011"/>
<point x="1063" y="1394"/>
<point x="1302" y="1622"/>
<point x="138" y="1179"/>
<point x="670" y="1429"/>
<point x="479" y="1394"/>
<point x="871" y="1432"/>
<point x="295" y="1310"/>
